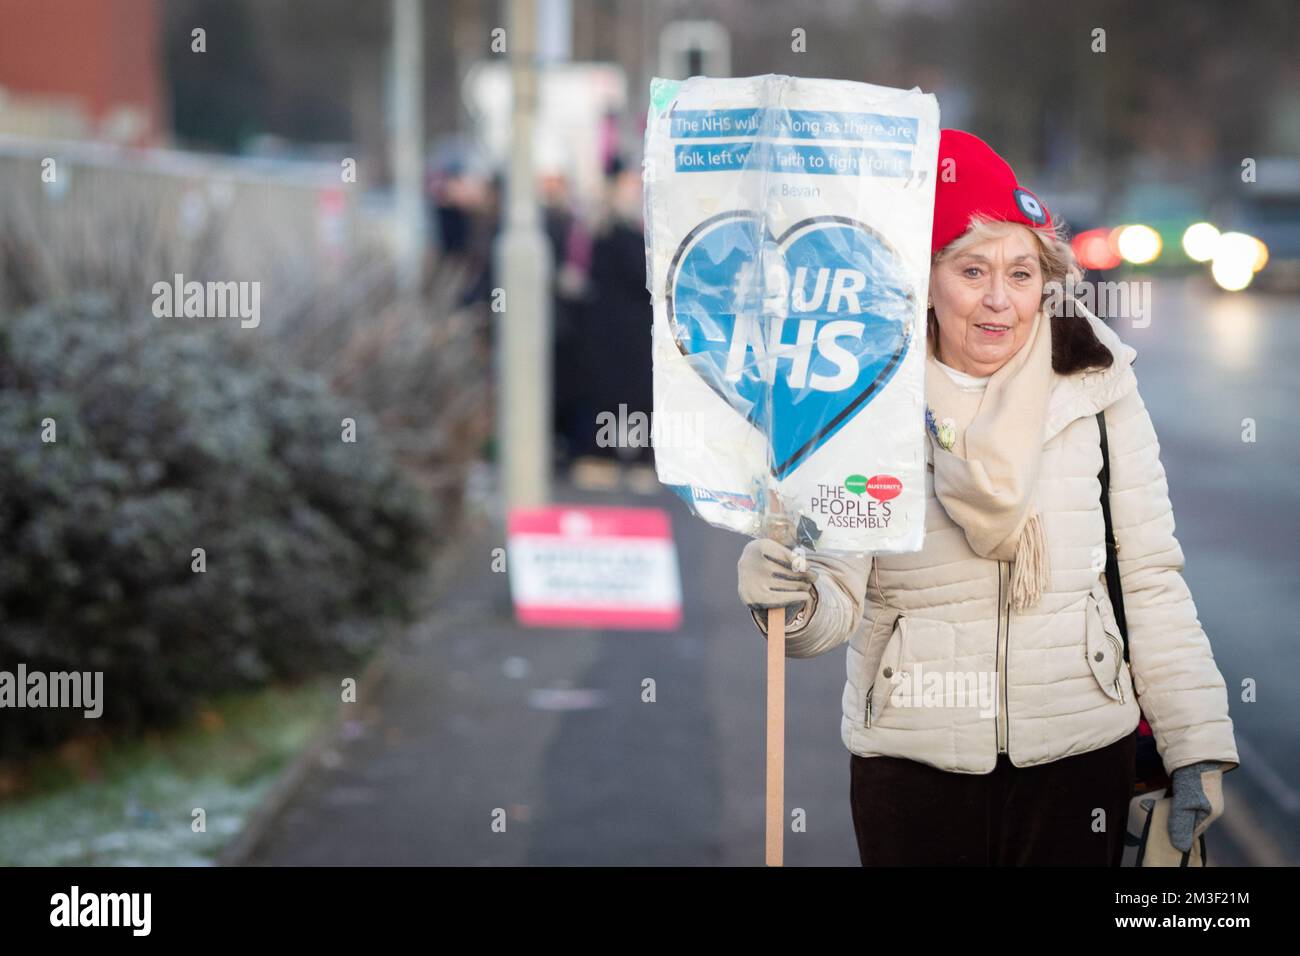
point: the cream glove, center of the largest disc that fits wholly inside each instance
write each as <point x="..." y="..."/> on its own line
<point x="767" y="579"/>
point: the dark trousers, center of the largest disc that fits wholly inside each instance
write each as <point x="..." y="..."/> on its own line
<point x="907" y="813"/>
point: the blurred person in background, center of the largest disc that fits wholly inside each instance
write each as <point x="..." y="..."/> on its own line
<point x="569" y="240"/>
<point x="455" y="195"/>
<point x="484" y="229"/>
<point x="571" y="250"/>
<point x="613" y="345"/>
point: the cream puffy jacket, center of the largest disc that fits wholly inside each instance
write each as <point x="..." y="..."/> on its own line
<point x="942" y="670"/>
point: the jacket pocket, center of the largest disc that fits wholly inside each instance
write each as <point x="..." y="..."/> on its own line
<point x="1105" y="650"/>
<point x="891" y="663"/>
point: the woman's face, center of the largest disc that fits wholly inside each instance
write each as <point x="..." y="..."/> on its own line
<point x="985" y="299"/>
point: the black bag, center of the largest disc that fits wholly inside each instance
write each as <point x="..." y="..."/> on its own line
<point x="1150" y="771"/>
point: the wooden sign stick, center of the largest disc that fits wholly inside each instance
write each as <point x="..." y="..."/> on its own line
<point x="776" y="736"/>
<point x="779" y="528"/>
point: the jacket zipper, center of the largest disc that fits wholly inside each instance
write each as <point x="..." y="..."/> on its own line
<point x="872" y="689"/>
<point x="1119" y="666"/>
<point x="867" y="715"/>
<point x="1004" y="633"/>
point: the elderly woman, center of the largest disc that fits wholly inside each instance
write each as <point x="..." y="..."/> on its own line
<point x="1008" y="595"/>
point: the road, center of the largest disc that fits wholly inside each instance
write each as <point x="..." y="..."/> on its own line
<point x="1207" y="362"/>
<point x="476" y="714"/>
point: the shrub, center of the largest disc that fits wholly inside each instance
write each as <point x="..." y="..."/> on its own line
<point x="167" y="441"/>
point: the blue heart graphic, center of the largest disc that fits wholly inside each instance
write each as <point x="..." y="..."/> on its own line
<point x="829" y="297"/>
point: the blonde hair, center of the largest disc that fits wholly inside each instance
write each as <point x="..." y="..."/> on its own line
<point x="1055" y="256"/>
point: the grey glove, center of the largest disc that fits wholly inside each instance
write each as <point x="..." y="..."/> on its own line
<point x="767" y="579"/>
<point x="1197" y="801"/>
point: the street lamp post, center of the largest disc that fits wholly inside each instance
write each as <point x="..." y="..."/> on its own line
<point x="407" y="118"/>
<point x="523" y="259"/>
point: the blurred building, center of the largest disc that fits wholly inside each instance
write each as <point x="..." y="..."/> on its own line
<point x="83" y="70"/>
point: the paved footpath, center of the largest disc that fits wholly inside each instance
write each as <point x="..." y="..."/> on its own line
<point x="465" y="721"/>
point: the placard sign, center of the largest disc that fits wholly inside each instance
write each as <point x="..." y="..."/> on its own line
<point x="594" y="567"/>
<point x="788" y="227"/>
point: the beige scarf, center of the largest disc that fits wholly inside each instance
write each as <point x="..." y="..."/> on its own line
<point x="986" y="481"/>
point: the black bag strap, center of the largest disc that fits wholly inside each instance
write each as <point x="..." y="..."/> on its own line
<point x="1112" y="553"/>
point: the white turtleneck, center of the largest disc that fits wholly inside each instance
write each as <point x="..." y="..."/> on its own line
<point x="967" y="383"/>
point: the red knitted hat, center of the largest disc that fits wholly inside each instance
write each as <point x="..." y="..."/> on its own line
<point x="978" y="180"/>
